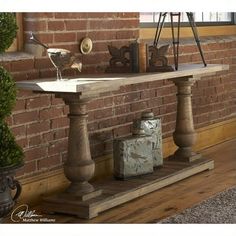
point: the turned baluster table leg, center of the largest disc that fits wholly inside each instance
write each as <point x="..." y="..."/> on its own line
<point x="79" y="167"/>
<point x="184" y="135"/>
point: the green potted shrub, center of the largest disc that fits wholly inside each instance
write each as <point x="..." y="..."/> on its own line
<point x="11" y="154"/>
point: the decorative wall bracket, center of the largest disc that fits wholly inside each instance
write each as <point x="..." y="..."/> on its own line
<point x="157" y="59"/>
<point x="120" y="59"/>
<point x="175" y="31"/>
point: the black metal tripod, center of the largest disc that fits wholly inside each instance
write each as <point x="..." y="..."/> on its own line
<point x="175" y="38"/>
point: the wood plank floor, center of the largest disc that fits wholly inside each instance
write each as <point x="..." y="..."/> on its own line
<point x="174" y="198"/>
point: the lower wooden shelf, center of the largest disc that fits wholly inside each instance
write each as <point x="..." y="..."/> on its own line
<point x="116" y="192"/>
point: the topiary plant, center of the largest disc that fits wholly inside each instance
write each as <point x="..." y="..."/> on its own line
<point x="7" y="93"/>
<point x="11" y="154"/>
<point x="8" y="30"/>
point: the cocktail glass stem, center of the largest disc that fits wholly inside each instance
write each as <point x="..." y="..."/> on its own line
<point x="59" y="76"/>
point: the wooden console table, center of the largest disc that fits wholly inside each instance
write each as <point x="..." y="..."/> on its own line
<point x="86" y="200"/>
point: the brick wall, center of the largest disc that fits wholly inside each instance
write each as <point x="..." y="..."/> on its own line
<point x="39" y="121"/>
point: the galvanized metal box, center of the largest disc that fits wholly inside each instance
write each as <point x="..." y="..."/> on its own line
<point x="132" y="156"/>
<point x="152" y="126"/>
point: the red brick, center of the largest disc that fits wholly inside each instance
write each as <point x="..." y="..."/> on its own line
<point x="196" y="57"/>
<point x="59" y="122"/>
<point x="47" y="137"/>
<point x="22" y="65"/>
<point x="59" y="134"/>
<point x="114" y="24"/>
<point x="118" y="100"/>
<point x="43" y="37"/>
<point x="19" y="131"/>
<point x="9" y="120"/>
<point x="22" y="142"/>
<point x="49" y="162"/>
<point x="188" y="49"/>
<point x="28" y="168"/>
<point x="26" y="75"/>
<point x="122" y="131"/>
<point x="163" y="91"/>
<point x="92" y="126"/>
<point x="202" y="83"/>
<point x="154" y="84"/>
<point x="171" y="108"/>
<point x="169" y="99"/>
<point x="154" y="102"/>
<point x="130" y="118"/>
<point x="76" y="24"/>
<point x="50" y="113"/>
<point x="138" y="106"/>
<point x="57" y="147"/>
<point x="57" y="101"/>
<point x="105" y="123"/>
<point x="38" y="102"/>
<point x="64" y="37"/>
<point x="38" y="15"/>
<point x="38" y="127"/>
<point x="35" y="153"/>
<point x="99" y="15"/>
<point x="127" y="34"/>
<point x="103" y="113"/>
<point x="20" y="105"/>
<point x="95" y="104"/>
<point x="113" y="15"/>
<point x="102" y="35"/>
<point x="108" y="101"/>
<point x="99" y="46"/>
<point x="56" y="25"/>
<point x="47" y="73"/>
<point x="6" y="65"/>
<point x="213" y="96"/>
<point x="122" y="109"/>
<point x="101" y="136"/>
<point x="128" y="15"/>
<point x="169" y="118"/>
<point x="214" y="46"/>
<point x="162" y="110"/>
<point x="66" y="110"/>
<point x="25" y="117"/>
<point x="70" y="15"/>
<point x="91" y="59"/>
<point x="140" y="86"/>
<point x="97" y="150"/>
<point x="35" y="140"/>
<point x="209" y="91"/>
<point x="43" y="63"/>
<point x="203" y="118"/>
<point x="35" y="25"/>
<point x="131" y="97"/>
<point x="184" y="59"/>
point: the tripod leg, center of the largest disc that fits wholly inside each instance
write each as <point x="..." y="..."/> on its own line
<point x="195" y="33"/>
<point x="160" y="25"/>
<point x="175" y="39"/>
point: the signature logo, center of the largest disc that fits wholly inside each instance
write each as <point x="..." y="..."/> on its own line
<point x="23" y="214"/>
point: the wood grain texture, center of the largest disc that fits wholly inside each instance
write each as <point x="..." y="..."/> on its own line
<point x="91" y="85"/>
<point x="186" y="32"/>
<point x="179" y="196"/>
<point x="174" y="198"/>
<point x="34" y="188"/>
<point x="124" y="191"/>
